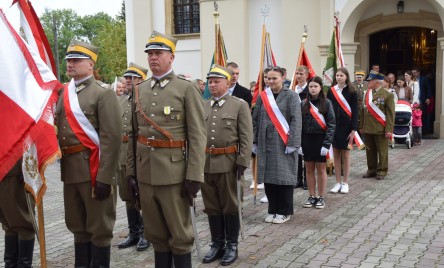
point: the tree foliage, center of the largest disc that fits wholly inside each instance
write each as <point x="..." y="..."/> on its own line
<point x="99" y="29"/>
<point x="122" y="14"/>
<point x="112" y="53"/>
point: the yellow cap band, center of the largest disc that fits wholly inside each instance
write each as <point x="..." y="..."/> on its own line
<point x="221" y="71"/>
<point x="160" y="39"/>
<point x="139" y="72"/>
<point x="84" y="51"/>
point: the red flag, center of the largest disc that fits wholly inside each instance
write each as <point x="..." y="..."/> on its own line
<point x="303" y="60"/>
<point x="27" y="94"/>
<point x="267" y="60"/>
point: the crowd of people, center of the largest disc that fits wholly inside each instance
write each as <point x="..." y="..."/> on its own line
<point x="158" y="144"/>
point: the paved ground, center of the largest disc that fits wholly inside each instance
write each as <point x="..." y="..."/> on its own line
<point x="397" y="222"/>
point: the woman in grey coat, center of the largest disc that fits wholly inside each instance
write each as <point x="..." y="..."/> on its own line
<point x="276" y="143"/>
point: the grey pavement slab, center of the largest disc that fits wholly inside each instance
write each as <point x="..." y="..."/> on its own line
<point x="397" y="222"/>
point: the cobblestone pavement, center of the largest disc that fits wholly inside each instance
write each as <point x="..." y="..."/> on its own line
<point x="397" y="222"/>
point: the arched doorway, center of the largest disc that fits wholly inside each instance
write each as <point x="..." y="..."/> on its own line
<point x="400" y="49"/>
<point x="419" y="23"/>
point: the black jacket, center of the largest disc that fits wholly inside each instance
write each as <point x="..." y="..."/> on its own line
<point x="311" y="126"/>
<point x="242" y="93"/>
<point x="342" y="117"/>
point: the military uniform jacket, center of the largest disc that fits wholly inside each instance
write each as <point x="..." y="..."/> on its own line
<point x="228" y="123"/>
<point x="126" y="114"/>
<point x="101" y="107"/>
<point x="384" y="100"/>
<point x="175" y="105"/>
<point x="361" y="89"/>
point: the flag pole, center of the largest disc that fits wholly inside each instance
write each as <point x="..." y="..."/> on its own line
<point x="216" y="31"/>
<point x="304" y="37"/>
<point x="42" y="234"/>
<point x="261" y="78"/>
<point x="264" y="10"/>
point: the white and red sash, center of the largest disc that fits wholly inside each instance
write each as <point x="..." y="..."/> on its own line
<point x="320" y="119"/>
<point x="82" y="128"/>
<point x="276" y="117"/>
<point x="373" y="109"/>
<point x="341" y="100"/>
<point x="314" y="111"/>
<point x="346" y="107"/>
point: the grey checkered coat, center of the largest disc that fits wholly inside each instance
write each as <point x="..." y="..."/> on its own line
<point x="274" y="166"/>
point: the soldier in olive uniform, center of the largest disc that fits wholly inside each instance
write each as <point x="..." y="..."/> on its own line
<point x="377" y="125"/>
<point x="170" y="154"/>
<point x="361" y="87"/>
<point x="89" y="134"/>
<point x="228" y="152"/>
<point x="134" y="74"/>
<point x="16" y="219"/>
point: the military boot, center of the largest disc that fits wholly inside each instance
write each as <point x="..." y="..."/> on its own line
<point x="100" y="257"/>
<point x="11" y="251"/>
<point x="143" y="244"/>
<point x="82" y="253"/>
<point x="217" y="231"/>
<point x="134" y="225"/>
<point x="163" y="259"/>
<point x="26" y="250"/>
<point x="182" y="261"/>
<point x="232" y="234"/>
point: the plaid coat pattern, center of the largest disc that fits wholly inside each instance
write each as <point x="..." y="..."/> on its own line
<point x="274" y="166"/>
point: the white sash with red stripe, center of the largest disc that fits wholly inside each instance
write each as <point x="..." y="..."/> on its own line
<point x="373" y="109"/>
<point x="276" y="117"/>
<point x="346" y="107"/>
<point x="82" y="128"/>
<point x="314" y="111"/>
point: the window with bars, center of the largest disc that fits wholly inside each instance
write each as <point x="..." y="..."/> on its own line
<point x="186" y="16"/>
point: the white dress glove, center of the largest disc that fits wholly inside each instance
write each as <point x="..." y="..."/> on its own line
<point x="324" y="151"/>
<point x="290" y="149"/>
<point x="254" y="149"/>
<point x="300" y="151"/>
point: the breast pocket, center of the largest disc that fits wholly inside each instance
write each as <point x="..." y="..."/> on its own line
<point x="229" y="120"/>
<point x="172" y="114"/>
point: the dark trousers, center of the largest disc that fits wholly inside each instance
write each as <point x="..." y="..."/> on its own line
<point x="280" y="198"/>
<point x="426" y="119"/>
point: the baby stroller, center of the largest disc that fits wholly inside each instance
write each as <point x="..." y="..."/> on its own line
<point x="402" y="132"/>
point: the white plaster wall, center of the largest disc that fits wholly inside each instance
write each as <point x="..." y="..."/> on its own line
<point x="390" y="7"/>
<point x="188" y="58"/>
<point x="138" y="28"/>
<point x="158" y="12"/>
<point x="273" y="26"/>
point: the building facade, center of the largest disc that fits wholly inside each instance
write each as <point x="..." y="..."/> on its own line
<point x="398" y="35"/>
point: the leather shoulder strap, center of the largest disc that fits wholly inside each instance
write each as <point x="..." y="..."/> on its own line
<point x="147" y="119"/>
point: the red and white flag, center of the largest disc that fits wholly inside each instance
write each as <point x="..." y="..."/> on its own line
<point x="27" y="95"/>
<point x="34" y="33"/>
